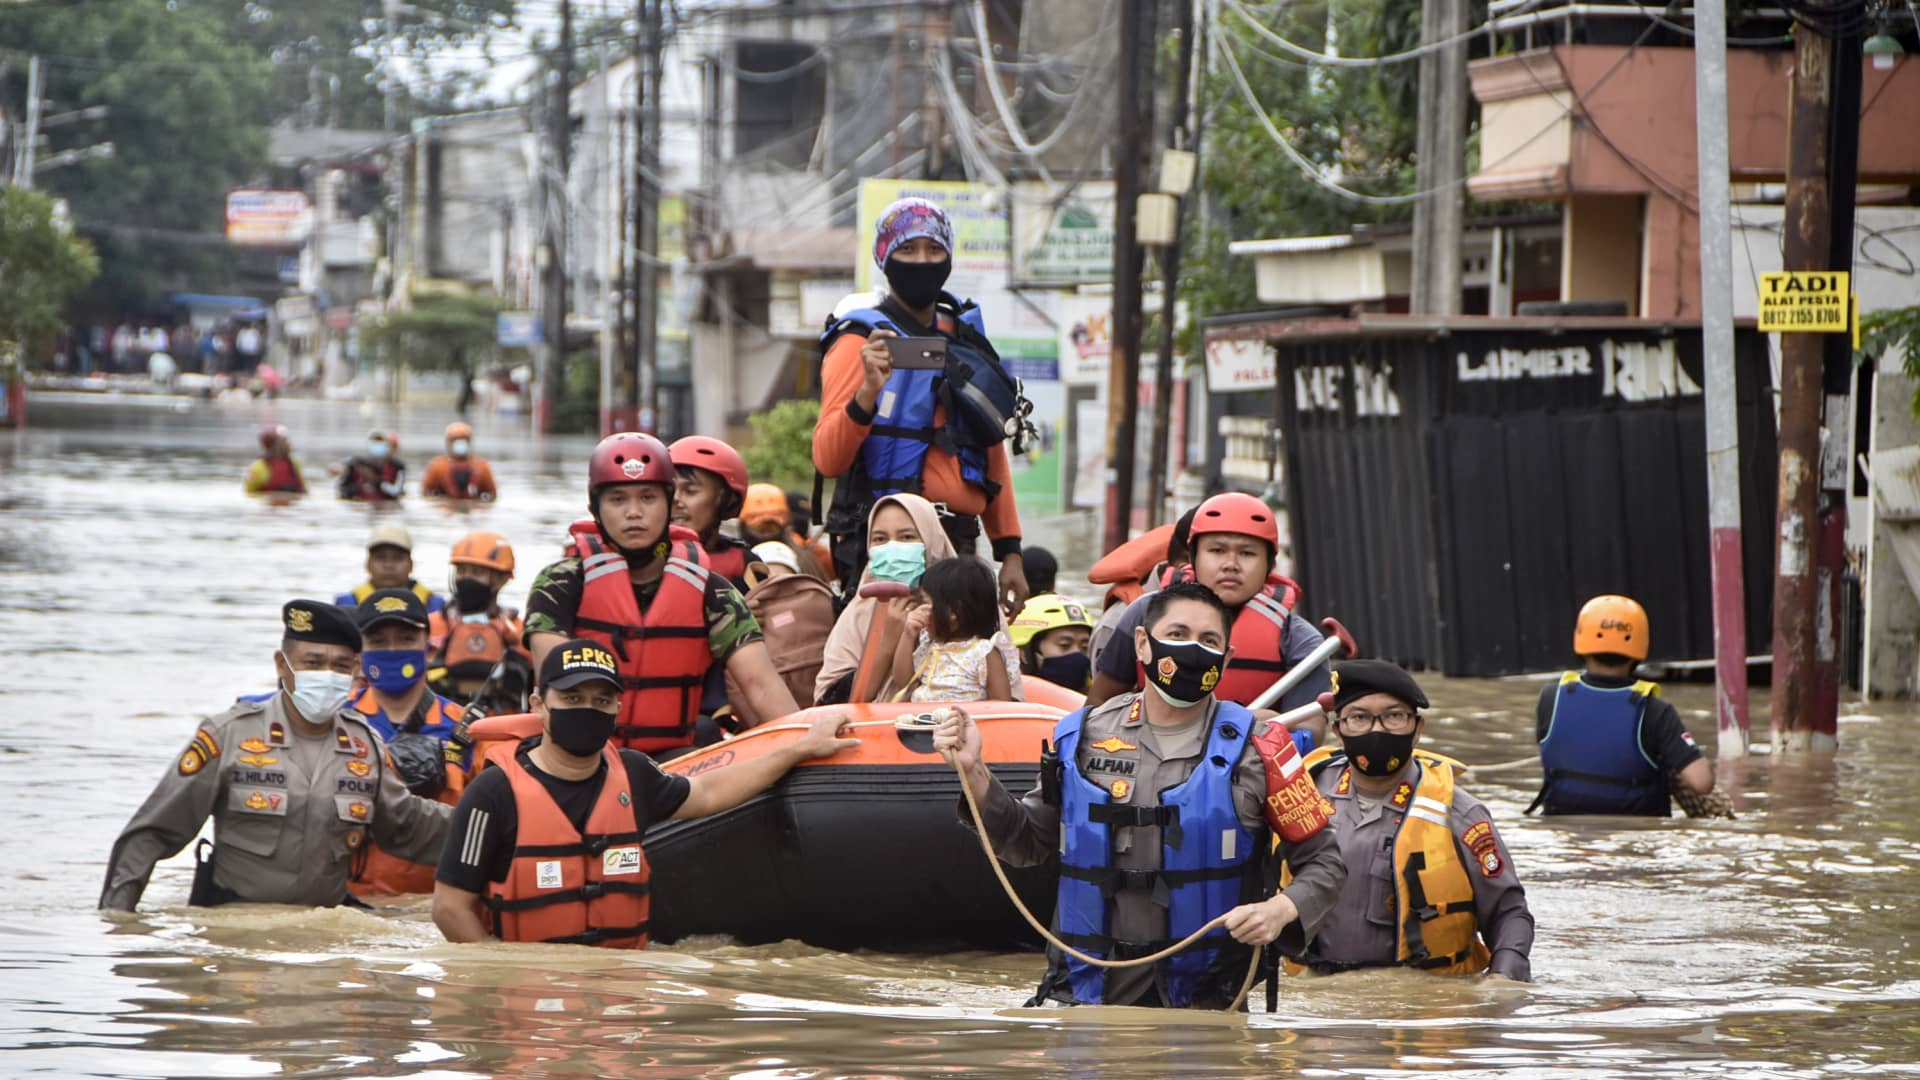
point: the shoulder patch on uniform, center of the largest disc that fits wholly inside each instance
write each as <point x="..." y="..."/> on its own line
<point x="202" y="750"/>
<point x="1480" y="842"/>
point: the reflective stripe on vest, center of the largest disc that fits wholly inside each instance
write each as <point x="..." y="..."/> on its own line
<point x="894" y="453"/>
<point x="1259" y="636"/>
<point x="564" y="886"/>
<point x="1205" y="857"/>
<point x="664" y="654"/>
<point x="1592" y="755"/>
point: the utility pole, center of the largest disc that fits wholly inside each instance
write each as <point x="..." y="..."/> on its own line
<point x="645" y="268"/>
<point x="553" y="380"/>
<point x="1723" y="417"/>
<point x="1830" y="550"/>
<point x="30" y="132"/>
<point x="1183" y="132"/>
<point x="1808" y="216"/>
<point x="1123" y="373"/>
<point x="1440" y="160"/>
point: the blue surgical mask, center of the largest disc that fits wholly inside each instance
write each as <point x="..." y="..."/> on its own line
<point x="901" y="561"/>
<point x="460" y="447"/>
<point x="394" y="671"/>
<point x="319" y="694"/>
<point x="377" y="450"/>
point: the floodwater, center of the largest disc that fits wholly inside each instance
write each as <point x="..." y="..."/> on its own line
<point x="139" y="590"/>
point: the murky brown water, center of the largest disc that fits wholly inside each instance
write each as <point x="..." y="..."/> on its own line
<point x="139" y="589"/>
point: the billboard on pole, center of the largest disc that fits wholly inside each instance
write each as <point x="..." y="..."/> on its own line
<point x="268" y="218"/>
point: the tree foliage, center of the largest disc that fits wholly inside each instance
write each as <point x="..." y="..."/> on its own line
<point x="327" y="54"/>
<point x="782" y="450"/>
<point x="450" y="331"/>
<point x="1893" y="330"/>
<point x="1360" y="121"/>
<point x="187" y="121"/>
<point x="41" y="265"/>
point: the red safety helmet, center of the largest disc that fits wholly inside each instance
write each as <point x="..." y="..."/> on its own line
<point x="1238" y="513"/>
<point x="628" y="457"/>
<point x="715" y="456"/>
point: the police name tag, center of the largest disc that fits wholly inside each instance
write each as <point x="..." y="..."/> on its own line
<point x="620" y="860"/>
<point x="546" y="875"/>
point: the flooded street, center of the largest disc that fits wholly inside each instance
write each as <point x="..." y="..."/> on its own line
<point x="140" y="590"/>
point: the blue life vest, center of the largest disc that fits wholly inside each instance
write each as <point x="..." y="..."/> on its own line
<point x="893" y="457"/>
<point x="1592" y="755"/>
<point x="1206" y="858"/>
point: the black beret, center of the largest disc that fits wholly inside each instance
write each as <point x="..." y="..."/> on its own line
<point x="321" y="623"/>
<point x="1356" y="679"/>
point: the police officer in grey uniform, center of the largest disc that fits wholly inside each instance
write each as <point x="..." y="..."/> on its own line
<point x="1137" y="746"/>
<point x="1462" y="910"/>
<point x="294" y="784"/>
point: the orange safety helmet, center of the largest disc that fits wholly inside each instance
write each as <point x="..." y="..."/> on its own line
<point x="1238" y="513"/>
<point x="1612" y="624"/>
<point x="764" y="503"/>
<point x="487" y="549"/>
<point x="715" y="456"/>
<point x="459" y="430"/>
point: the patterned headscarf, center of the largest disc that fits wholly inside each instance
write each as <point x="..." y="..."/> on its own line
<point x="910" y="219"/>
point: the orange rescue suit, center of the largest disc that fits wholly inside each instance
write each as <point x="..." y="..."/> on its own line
<point x="564" y="886"/>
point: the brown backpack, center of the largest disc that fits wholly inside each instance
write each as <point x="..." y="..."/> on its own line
<point x="796" y="614"/>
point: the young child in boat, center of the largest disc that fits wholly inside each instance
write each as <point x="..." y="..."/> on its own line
<point x="953" y="647"/>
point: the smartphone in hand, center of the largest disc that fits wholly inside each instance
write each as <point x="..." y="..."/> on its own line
<point x="918" y="353"/>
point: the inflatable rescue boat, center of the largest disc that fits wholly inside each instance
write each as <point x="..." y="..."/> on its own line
<point x="860" y="850"/>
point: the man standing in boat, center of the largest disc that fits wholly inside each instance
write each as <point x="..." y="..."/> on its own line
<point x="1235" y="544"/>
<point x="545" y="846"/>
<point x="1159" y="806"/>
<point x="668" y="620"/>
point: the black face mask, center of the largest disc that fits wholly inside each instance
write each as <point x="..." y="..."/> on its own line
<point x="1379" y="753"/>
<point x="472" y="595"/>
<point x="582" y="732"/>
<point x="1183" y="672"/>
<point x="917" y="284"/>
<point x="1073" y="670"/>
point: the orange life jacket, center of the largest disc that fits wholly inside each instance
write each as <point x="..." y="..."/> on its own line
<point x="795" y="613"/>
<point x="565" y="887"/>
<point x="469" y="650"/>
<point x="664" y="655"/>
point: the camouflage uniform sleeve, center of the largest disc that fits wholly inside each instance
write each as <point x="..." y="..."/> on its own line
<point x="730" y="623"/>
<point x="554" y="599"/>
<point x="169" y="819"/>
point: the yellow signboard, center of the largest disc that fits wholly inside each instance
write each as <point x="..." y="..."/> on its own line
<point x="1805" y="302"/>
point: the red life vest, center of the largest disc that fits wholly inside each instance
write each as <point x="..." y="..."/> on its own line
<point x="566" y="887"/>
<point x="284" y="475"/>
<point x="1258" y="635"/>
<point x="664" y="655"/>
<point x="728" y="558"/>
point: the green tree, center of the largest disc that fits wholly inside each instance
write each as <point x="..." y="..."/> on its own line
<point x="42" y="264"/>
<point x="187" y="121"/>
<point x="782" y="450"/>
<point x="442" y="331"/>
<point x="326" y="53"/>
<point x="1360" y="121"/>
<point x="1893" y="329"/>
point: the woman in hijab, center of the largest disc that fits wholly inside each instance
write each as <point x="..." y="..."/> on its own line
<point x="903" y="537"/>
